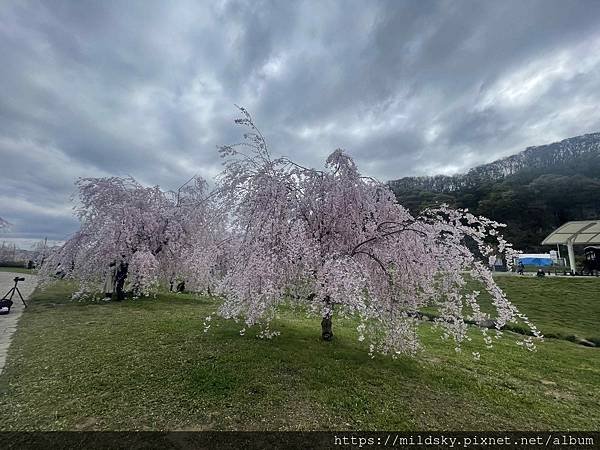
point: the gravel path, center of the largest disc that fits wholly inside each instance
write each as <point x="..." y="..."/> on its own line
<point x="8" y="323"/>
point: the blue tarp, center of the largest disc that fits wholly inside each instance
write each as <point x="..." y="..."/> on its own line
<point x="536" y="261"/>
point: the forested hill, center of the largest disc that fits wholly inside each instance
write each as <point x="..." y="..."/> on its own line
<point x="533" y="192"/>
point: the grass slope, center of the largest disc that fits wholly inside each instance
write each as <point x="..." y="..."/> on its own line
<point x="147" y="364"/>
<point x="559" y="307"/>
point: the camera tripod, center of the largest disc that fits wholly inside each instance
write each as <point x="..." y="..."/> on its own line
<point x="14" y="289"/>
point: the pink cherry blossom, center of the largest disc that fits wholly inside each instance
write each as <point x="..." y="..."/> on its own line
<point x="337" y="243"/>
<point x="151" y="235"/>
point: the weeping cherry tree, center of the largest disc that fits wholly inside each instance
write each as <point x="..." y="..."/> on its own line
<point x="338" y="244"/>
<point x="143" y="233"/>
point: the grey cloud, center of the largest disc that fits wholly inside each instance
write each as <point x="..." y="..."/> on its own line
<point x="147" y="88"/>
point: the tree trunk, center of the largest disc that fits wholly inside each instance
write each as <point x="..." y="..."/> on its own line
<point x="326" y="325"/>
<point x="326" y="328"/>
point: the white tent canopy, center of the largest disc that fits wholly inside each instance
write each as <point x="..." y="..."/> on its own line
<point x="581" y="232"/>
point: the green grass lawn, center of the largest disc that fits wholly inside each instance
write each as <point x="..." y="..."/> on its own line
<point x="560" y="307"/>
<point x="147" y="364"/>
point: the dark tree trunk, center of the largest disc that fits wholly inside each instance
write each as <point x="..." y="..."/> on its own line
<point x="120" y="277"/>
<point x="326" y="324"/>
<point x="326" y="328"/>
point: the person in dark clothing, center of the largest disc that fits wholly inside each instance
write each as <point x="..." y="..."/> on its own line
<point x="120" y="277"/>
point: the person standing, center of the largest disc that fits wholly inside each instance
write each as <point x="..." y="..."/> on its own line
<point x="120" y="277"/>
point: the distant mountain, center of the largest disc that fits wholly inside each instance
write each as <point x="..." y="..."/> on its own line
<point x="533" y="191"/>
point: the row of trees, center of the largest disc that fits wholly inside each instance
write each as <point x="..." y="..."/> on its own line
<point x="7" y="251"/>
<point x="273" y="232"/>
<point x="555" y="183"/>
<point x="550" y="199"/>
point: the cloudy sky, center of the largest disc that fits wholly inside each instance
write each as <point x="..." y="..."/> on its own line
<point x="98" y="88"/>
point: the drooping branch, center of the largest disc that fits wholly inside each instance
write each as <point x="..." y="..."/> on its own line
<point x="334" y="234"/>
